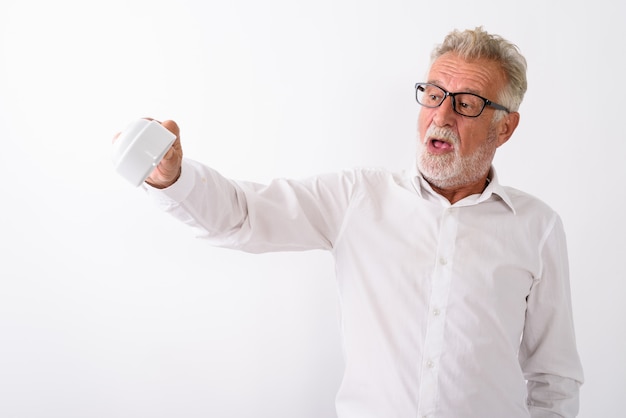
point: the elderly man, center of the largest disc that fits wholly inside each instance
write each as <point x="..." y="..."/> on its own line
<point x="454" y="289"/>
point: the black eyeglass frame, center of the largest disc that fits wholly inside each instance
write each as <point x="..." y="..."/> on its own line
<point x="486" y="102"/>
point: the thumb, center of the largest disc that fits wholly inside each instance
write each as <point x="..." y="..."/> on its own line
<point x="172" y="126"/>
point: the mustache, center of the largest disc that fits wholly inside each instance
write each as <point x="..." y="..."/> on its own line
<point x="441" y="133"/>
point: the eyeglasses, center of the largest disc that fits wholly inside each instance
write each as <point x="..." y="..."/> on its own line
<point x="466" y="104"/>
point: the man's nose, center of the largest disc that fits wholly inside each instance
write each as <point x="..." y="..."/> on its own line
<point x="445" y="114"/>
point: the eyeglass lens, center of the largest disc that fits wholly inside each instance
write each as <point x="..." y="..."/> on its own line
<point x="466" y="104"/>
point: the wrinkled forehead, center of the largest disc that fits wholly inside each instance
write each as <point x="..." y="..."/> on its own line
<point x="455" y="74"/>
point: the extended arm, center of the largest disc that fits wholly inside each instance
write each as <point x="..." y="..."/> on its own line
<point x="284" y="215"/>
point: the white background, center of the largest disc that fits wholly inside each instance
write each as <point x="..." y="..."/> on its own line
<point x="109" y="308"/>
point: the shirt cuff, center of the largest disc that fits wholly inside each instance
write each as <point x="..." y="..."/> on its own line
<point x="178" y="191"/>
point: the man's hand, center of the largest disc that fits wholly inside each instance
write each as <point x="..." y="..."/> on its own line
<point x="168" y="170"/>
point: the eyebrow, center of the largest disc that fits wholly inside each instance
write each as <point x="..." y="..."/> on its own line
<point x="473" y="91"/>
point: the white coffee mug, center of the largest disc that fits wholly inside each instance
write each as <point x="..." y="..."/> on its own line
<point x="139" y="149"/>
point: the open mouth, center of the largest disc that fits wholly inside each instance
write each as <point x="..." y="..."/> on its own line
<point x="439" y="146"/>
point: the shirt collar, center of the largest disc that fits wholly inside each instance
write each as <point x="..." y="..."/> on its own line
<point x="493" y="189"/>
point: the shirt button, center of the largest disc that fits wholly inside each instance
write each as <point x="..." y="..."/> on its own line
<point x="430" y="364"/>
<point x="436" y="312"/>
<point x="443" y="261"/>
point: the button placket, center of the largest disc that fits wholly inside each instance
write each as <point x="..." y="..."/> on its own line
<point x="440" y="288"/>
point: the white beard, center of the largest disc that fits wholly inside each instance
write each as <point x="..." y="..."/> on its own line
<point x="452" y="170"/>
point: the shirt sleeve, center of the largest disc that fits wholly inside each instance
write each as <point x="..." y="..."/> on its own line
<point x="548" y="354"/>
<point x="284" y="215"/>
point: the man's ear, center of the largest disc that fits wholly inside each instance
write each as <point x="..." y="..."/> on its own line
<point x="506" y="127"/>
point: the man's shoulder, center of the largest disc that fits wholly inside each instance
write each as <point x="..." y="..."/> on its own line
<point x="528" y="203"/>
<point x="378" y="173"/>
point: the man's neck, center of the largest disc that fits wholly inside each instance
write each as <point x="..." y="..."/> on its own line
<point x="455" y="194"/>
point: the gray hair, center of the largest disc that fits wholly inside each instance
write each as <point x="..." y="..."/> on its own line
<point x="477" y="44"/>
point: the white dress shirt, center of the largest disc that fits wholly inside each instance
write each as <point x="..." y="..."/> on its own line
<point x="447" y="311"/>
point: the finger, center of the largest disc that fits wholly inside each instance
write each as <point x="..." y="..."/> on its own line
<point x="171" y="126"/>
<point x="171" y="153"/>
